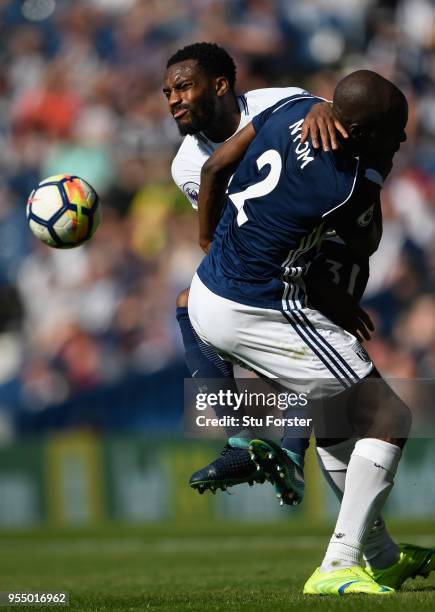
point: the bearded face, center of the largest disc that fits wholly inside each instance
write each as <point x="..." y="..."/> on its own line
<point x="191" y="97"/>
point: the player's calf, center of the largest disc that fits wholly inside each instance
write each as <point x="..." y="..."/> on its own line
<point x="234" y="465"/>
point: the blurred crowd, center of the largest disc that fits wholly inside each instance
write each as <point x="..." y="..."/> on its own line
<point x="80" y="92"/>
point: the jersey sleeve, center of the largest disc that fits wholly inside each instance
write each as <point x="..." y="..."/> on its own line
<point x="187" y="177"/>
<point x="259" y="120"/>
<point x="324" y="179"/>
<point x="357" y="209"/>
<point x="359" y="214"/>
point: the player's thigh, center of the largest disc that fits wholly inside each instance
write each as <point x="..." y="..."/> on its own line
<point x="251" y="335"/>
<point x="339" y="350"/>
<point x="211" y="316"/>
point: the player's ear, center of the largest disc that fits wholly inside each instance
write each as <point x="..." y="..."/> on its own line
<point x="361" y="135"/>
<point x="221" y="85"/>
<point x="356" y="131"/>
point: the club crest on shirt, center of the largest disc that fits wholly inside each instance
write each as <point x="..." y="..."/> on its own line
<point x="191" y="190"/>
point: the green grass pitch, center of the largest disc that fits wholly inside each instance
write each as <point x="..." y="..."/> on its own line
<point x="193" y="567"/>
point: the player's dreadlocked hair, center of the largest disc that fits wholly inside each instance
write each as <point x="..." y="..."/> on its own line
<point x="214" y="60"/>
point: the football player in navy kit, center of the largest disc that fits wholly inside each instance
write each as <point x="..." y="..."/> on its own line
<point x="281" y="202"/>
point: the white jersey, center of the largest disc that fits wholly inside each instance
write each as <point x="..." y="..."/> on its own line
<point x="195" y="150"/>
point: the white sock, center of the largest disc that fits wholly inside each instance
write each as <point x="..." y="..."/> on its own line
<point x="369" y="479"/>
<point x="333" y="461"/>
<point x="380" y="550"/>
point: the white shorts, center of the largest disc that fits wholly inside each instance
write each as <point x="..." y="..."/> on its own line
<point x="296" y="344"/>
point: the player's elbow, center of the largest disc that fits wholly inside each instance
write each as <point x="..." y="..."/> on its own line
<point x="212" y="168"/>
<point x="217" y="168"/>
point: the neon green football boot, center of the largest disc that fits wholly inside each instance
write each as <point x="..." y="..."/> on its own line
<point x="413" y="561"/>
<point x="344" y="582"/>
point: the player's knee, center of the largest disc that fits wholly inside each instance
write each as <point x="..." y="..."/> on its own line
<point x="396" y="413"/>
<point x="183" y="298"/>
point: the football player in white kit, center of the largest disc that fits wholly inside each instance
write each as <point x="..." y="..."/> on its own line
<point x="199" y="86"/>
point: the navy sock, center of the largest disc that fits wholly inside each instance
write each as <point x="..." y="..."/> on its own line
<point x="203" y="362"/>
<point x="300" y="443"/>
<point x="296" y="445"/>
<point x="201" y="359"/>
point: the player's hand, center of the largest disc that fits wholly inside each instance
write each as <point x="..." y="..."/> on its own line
<point x="322" y="122"/>
<point x="356" y="321"/>
<point x="343" y="310"/>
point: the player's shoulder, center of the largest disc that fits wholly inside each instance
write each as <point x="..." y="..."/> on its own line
<point x="359" y="186"/>
<point x="346" y="173"/>
<point x="336" y="167"/>
<point x="335" y="176"/>
<point x="257" y="100"/>
<point x="325" y="177"/>
<point x="290" y="110"/>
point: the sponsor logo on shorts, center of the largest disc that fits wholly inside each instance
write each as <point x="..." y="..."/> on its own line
<point x="361" y="352"/>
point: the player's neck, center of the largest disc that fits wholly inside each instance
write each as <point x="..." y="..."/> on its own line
<point x="226" y="123"/>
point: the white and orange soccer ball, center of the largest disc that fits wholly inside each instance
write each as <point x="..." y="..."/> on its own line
<point x="63" y="211"/>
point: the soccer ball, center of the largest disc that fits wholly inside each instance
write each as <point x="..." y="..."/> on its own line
<point x="63" y="211"/>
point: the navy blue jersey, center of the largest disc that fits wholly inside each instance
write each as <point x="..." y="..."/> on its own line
<point x="279" y="204"/>
<point x="337" y="261"/>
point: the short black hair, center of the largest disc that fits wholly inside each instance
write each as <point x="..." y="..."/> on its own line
<point x="214" y="60"/>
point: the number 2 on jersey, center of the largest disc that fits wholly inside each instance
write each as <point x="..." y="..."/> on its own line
<point x="264" y="187"/>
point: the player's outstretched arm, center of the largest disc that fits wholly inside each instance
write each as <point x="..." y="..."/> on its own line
<point x="322" y="126"/>
<point x="215" y="175"/>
